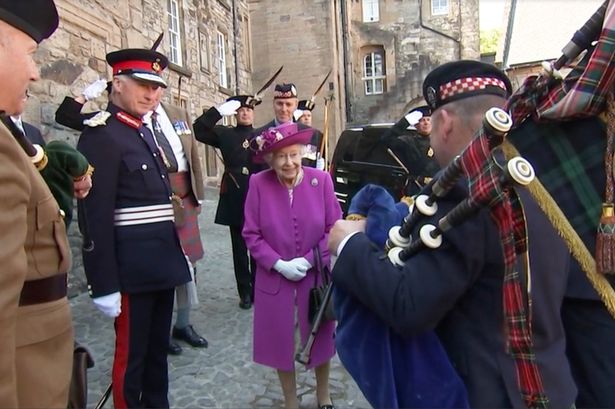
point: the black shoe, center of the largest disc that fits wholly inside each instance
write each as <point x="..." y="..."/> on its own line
<point x="174" y="348"/>
<point x="245" y="303"/>
<point x="189" y="335"/>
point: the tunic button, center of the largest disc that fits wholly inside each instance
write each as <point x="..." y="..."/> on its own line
<point x="144" y="166"/>
<point x="62" y="213"/>
<point x="162" y="176"/>
<point x="154" y="154"/>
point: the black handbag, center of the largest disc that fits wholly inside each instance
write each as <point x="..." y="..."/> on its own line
<point x="317" y="293"/>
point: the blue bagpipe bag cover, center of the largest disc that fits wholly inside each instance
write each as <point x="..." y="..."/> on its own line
<point x="392" y="371"/>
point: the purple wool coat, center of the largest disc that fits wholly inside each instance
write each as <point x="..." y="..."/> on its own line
<point x="273" y="230"/>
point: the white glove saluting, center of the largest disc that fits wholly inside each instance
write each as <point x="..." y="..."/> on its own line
<point x="293" y="270"/>
<point x="94" y="90"/>
<point x="229" y="108"/>
<point x="110" y="304"/>
<point x="413" y="117"/>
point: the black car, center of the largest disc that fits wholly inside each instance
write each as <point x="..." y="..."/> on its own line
<point x="362" y="156"/>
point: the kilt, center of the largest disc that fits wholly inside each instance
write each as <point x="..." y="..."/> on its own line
<point x="189" y="234"/>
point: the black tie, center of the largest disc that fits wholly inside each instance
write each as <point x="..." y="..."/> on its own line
<point x="169" y="157"/>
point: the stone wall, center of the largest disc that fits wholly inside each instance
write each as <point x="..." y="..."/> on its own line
<point x="300" y="35"/>
<point x="414" y="42"/>
<point x="308" y="37"/>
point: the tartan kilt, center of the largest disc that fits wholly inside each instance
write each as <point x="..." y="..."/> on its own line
<point x="189" y="234"/>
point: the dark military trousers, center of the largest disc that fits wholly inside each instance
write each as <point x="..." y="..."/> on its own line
<point x="140" y="371"/>
<point x="243" y="264"/>
<point x="590" y="337"/>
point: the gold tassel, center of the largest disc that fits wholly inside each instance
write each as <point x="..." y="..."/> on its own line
<point x="605" y="241"/>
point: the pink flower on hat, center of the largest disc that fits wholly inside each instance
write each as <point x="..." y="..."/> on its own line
<point x="268" y="138"/>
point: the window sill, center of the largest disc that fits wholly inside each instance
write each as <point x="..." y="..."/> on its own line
<point x="181" y="70"/>
<point x="225" y="91"/>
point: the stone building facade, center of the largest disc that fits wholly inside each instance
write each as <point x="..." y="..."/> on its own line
<point x="379" y="51"/>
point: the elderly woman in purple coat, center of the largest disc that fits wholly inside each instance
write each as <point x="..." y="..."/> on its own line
<point x="289" y="211"/>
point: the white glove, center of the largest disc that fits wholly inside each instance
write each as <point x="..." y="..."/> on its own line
<point x="94" y="90"/>
<point x="302" y="261"/>
<point x="292" y="270"/>
<point x="110" y="304"/>
<point x="229" y="108"/>
<point x="413" y="117"/>
<point x="320" y="163"/>
<point x="297" y="114"/>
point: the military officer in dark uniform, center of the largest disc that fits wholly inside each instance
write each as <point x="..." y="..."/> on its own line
<point x="137" y="260"/>
<point x="303" y="115"/>
<point x="408" y="139"/>
<point x="234" y="143"/>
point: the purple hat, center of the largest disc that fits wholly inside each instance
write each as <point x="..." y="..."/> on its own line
<point x="279" y="137"/>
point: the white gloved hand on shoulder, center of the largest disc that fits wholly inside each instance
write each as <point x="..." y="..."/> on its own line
<point x="94" y="90"/>
<point x="292" y="270"/>
<point x="228" y="108"/>
<point x="110" y="304"/>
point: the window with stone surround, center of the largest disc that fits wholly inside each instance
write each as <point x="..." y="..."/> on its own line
<point x="371" y="11"/>
<point x="175" y="38"/>
<point x="246" y="40"/>
<point x="204" y="50"/>
<point x="374" y="73"/>
<point x="221" y="59"/>
<point x="439" y="7"/>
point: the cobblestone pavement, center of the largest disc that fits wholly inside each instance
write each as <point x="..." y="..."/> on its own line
<point x="223" y="375"/>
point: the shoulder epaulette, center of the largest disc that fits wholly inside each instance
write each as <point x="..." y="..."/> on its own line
<point x="97" y="120"/>
<point x="129" y="120"/>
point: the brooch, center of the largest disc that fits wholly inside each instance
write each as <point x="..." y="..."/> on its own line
<point x="314" y="182"/>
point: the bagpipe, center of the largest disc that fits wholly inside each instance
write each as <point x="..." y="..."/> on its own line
<point x="553" y="123"/>
<point x="416" y="372"/>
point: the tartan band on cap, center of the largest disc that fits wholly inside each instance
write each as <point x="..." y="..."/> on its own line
<point x="463" y="85"/>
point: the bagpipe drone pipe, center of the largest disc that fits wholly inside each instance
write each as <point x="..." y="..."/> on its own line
<point x="395" y="371"/>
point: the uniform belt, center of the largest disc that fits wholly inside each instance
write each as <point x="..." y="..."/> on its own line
<point x="44" y="290"/>
<point x="129" y="216"/>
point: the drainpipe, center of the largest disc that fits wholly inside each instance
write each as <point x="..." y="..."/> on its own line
<point x="235" y="37"/>
<point x="345" y="53"/>
<point x="433" y="30"/>
<point x="509" y="29"/>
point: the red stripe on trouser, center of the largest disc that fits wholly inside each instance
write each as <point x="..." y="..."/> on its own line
<point x="120" y="360"/>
